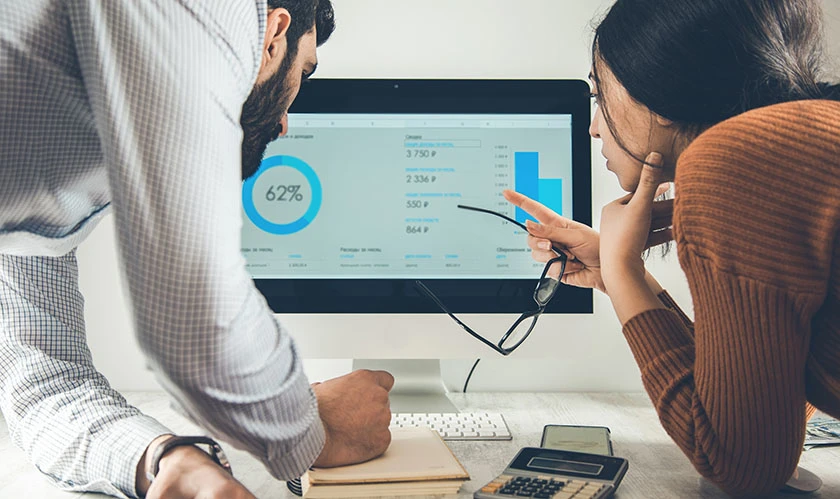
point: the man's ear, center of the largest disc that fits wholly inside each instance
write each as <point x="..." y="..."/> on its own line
<point x="274" y="45"/>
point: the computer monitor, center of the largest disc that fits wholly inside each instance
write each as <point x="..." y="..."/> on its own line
<point x="360" y="200"/>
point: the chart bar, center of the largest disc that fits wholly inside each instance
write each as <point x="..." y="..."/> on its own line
<point x="527" y="179"/>
<point x="551" y="194"/>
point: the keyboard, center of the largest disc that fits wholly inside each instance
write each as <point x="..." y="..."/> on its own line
<point x="458" y="426"/>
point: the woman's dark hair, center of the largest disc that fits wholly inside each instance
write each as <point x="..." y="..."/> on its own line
<point x="306" y="14"/>
<point x="698" y="63"/>
<point x="830" y="91"/>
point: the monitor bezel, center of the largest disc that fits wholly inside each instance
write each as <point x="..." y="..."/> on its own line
<point x="423" y="96"/>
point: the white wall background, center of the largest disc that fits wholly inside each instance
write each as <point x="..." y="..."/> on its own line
<point x="437" y="39"/>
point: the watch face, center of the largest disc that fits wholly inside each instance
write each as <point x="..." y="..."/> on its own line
<point x="213" y="449"/>
<point x="221" y="458"/>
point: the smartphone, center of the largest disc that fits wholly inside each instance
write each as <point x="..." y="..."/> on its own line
<point x="589" y="439"/>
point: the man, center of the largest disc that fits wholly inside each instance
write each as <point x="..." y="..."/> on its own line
<point x="156" y="110"/>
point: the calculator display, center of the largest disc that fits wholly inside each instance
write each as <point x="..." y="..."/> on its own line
<point x="568" y="463"/>
<point x="564" y="466"/>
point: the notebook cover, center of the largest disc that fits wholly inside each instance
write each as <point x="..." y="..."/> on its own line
<point x="415" y="454"/>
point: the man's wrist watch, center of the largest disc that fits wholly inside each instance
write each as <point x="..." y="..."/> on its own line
<point x="214" y="450"/>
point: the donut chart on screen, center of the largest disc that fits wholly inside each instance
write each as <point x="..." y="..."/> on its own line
<point x="283" y="197"/>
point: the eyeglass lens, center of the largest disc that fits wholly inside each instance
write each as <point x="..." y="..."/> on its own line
<point x="519" y="332"/>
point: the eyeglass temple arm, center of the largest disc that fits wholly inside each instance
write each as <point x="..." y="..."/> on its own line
<point x="554" y="247"/>
<point x="428" y="292"/>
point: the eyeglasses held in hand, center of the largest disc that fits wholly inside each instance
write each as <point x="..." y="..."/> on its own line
<point x="522" y="327"/>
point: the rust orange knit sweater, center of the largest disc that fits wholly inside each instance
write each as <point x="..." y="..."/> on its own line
<point x="757" y="228"/>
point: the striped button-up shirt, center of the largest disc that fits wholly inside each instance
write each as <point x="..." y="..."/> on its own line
<point x="132" y="106"/>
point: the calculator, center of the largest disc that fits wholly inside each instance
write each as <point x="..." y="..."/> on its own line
<point x="556" y="474"/>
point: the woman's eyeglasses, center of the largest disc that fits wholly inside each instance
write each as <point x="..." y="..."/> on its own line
<point x="543" y="293"/>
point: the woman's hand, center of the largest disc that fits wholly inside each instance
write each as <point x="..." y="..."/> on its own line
<point x="580" y="242"/>
<point x="626" y="226"/>
<point x="626" y="223"/>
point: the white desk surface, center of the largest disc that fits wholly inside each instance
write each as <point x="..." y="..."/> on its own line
<point x="657" y="467"/>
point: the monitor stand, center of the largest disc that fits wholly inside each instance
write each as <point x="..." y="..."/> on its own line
<point x="418" y="385"/>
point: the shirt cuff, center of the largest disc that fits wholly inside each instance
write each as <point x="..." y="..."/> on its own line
<point x="286" y="464"/>
<point x="120" y="447"/>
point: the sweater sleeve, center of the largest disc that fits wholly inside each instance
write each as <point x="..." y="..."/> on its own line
<point x="744" y="368"/>
<point x="669" y="302"/>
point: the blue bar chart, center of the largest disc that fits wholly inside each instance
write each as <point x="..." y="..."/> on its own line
<point x="548" y="191"/>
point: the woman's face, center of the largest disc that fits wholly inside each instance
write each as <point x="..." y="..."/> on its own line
<point x="640" y="130"/>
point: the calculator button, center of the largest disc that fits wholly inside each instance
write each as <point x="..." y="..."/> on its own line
<point x="563" y="495"/>
<point x="542" y="495"/>
<point x="495" y="485"/>
<point x="590" y="491"/>
<point x="572" y="489"/>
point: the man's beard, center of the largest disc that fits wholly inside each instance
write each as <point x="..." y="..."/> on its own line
<point x="261" y="115"/>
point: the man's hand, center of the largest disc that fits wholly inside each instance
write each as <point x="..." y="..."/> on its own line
<point x="187" y="472"/>
<point x="356" y="413"/>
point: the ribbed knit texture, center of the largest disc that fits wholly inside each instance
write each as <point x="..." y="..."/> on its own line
<point x="756" y="221"/>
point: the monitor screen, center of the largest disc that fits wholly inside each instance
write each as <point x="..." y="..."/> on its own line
<point x="361" y="198"/>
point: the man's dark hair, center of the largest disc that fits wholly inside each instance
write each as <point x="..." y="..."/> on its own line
<point x="270" y="100"/>
<point x="306" y="14"/>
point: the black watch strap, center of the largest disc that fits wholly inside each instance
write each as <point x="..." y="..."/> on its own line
<point x="213" y="449"/>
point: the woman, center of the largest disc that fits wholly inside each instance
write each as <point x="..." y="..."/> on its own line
<point x="682" y="88"/>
